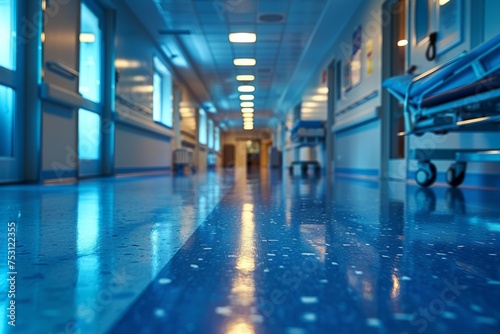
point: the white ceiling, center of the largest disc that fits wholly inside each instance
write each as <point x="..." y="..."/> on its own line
<point x="287" y="53"/>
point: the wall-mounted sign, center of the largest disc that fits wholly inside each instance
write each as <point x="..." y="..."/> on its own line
<point x="369" y="57"/>
<point x="449" y="24"/>
<point x="357" y="40"/>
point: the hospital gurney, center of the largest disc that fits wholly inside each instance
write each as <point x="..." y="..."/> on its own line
<point x="460" y="95"/>
<point x="306" y="133"/>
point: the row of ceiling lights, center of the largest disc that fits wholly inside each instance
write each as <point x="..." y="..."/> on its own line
<point x="247" y="104"/>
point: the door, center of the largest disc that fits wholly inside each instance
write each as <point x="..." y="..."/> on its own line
<point x="72" y="90"/>
<point x="59" y="90"/>
<point x="11" y="153"/>
<point x="394" y="63"/>
<point x="228" y="156"/>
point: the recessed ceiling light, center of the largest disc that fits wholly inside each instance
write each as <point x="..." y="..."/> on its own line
<point x="309" y="104"/>
<point x="247" y="97"/>
<point x="245" y="77"/>
<point x="321" y="98"/>
<point x="323" y="90"/>
<point x="246" y="89"/>
<point x="242" y="37"/>
<point x="247" y="104"/>
<point x="403" y="42"/>
<point x="244" y="62"/>
<point x="244" y="110"/>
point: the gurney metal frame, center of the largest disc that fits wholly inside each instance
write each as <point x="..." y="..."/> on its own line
<point x="306" y="136"/>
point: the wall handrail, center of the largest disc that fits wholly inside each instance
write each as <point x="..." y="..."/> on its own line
<point x="62" y="70"/>
<point x="359" y="102"/>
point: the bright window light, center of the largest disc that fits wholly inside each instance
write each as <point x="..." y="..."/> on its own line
<point x="247" y="97"/>
<point x="242" y="37"/>
<point x="443" y="2"/>
<point x="309" y="104"/>
<point x="245" y="77"/>
<point x="247" y="115"/>
<point x="245" y="110"/>
<point x="403" y="42"/>
<point x="248" y="127"/>
<point x="202" y="127"/>
<point x="246" y="89"/>
<point x="244" y="62"/>
<point x="247" y="104"/>
<point x="8" y="28"/>
<point x="90" y="55"/>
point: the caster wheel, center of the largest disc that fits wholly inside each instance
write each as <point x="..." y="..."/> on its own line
<point x="455" y="174"/>
<point x="426" y="174"/>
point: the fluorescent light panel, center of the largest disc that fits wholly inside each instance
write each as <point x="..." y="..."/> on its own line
<point x="245" y="77"/>
<point x="244" y="62"/>
<point x="403" y="42"/>
<point x="242" y="37"/>
<point x="246" y="89"/>
<point x="247" y="104"/>
<point x="247" y="97"/>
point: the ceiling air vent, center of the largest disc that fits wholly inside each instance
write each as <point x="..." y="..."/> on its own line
<point x="271" y="18"/>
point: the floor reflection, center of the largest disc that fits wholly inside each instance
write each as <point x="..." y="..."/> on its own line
<point x="273" y="254"/>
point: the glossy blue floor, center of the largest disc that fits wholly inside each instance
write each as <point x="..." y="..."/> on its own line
<point x="262" y="253"/>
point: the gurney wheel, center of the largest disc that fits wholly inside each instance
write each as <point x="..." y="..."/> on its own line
<point x="456" y="174"/>
<point x="426" y="174"/>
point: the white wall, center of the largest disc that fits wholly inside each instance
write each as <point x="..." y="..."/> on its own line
<point x="140" y="143"/>
<point x="357" y="131"/>
<point x="139" y="150"/>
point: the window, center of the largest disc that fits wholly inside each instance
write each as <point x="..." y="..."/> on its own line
<point x="162" y="94"/>
<point x="217" y="139"/>
<point x="8" y="34"/>
<point x="157" y="97"/>
<point x="89" y="140"/>
<point x="90" y="55"/>
<point x="210" y="134"/>
<point x="202" y="127"/>
<point x="7" y="96"/>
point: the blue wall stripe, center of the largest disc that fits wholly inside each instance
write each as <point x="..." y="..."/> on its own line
<point x="58" y="174"/>
<point x="130" y="170"/>
<point x="369" y="172"/>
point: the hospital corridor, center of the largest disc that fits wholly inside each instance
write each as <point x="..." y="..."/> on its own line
<point x="249" y="166"/>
